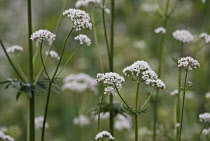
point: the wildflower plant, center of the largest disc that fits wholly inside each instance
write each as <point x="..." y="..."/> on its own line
<point x="205" y="120"/>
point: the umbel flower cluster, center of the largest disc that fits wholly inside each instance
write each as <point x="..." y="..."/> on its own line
<point x="183" y="36"/>
<point x="83" y="39"/>
<point x="143" y="73"/>
<point x="14" y="49"/>
<point x="80" y="82"/>
<point x="111" y="80"/>
<point x="206" y="37"/>
<point x="80" y="19"/>
<point x="188" y="63"/>
<point x="103" y="135"/>
<point x="205" y="117"/>
<point x="5" y="137"/>
<point x="43" y="36"/>
<point x="160" y="30"/>
<point x="53" y="54"/>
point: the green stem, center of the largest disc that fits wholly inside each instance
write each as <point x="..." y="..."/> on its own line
<point x="145" y="103"/>
<point x="96" y="41"/>
<point x="68" y="60"/>
<point x="183" y="101"/>
<point x="43" y="64"/>
<point x="99" y="111"/>
<point x="178" y="95"/>
<point x="31" y="112"/>
<point x="20" y="69"/>
<point x="10" y="61"/>
<point x="199" y="135"/>
<point x="136" y="115"/>
<point x="46" y="110"/>
<point x="61" y="56"/>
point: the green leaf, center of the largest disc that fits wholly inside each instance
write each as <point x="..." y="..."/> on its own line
<point x="18" y="95"/>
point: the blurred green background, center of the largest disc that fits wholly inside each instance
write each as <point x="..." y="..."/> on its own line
<point x="134" y="40"/>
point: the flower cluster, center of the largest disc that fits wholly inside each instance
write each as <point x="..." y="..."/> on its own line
<point x="206" y="131"/>
<point x="83" y="39"/>
<point x="143" y="73"/>
<point x="183" y="36"/>
<point x="122" y="122"/>
<point x="39" y="123"/>
<point x="206" y="37"/>
<point x="160" y="30"/>
<point x="14" y="49"/>
<point x="80" y="83"/>
<point x="80" y="19"/>
<point x="103" y="135"/>
<point x="6" y="137"/>
<point x="205" y="117"/>
<point x="110" y="79"/>
<point x="188" y="63"/>
<point x="174" y="92"/>
<point x="82" y="121"/>
<point x="53" y="54"/>
<point x="44" y="36"/>
<point x="85" y="3"/>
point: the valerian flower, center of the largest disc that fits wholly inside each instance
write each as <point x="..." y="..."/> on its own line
<point x="183" y="36"/>
<point x="53" y="55"/>
<point x="103" y="135"/>
<point x="83" y="39"/>
<point x="14" y="49"/>
<point x="188" y="63"/>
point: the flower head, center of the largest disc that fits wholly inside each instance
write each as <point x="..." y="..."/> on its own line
<point x="6" y="137"/>
<point x="103" y="135"/>
<point x="110" y="79"/>
<point x="206" y="131"/>
<point x="80" y="19"/>
<point x="205" y="117"/>
<point x="206" y="37"/>
<point x="183" y="36"/>
<point x="53" y="54"/>
<point x="82" y="120"/>
<point x="188" y="63"/>
<point x="39" y="123"/>
<point x="160" y="30"/>
<point x="83" y="39"/>
<point x="85" y="3"/>
<point x="80" y="82"/>
<point x="156" y="83"/>
<point x="44" y="36"/>
<point x="173" y="93"/>
<point x="14" y="49"/>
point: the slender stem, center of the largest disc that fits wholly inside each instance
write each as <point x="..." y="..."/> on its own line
<point x="43" y="64"/>
<point x="183" y="101"/>
<point x="10" y="61"/>
<point x="96" y="41"/>
<point x="111" y="123"/>
<point x="31" y="124"/>
<point x="136" y="115"/>
<point x="61" y="56"/>
<point x="178" y="95"/>
<point x="46" y="110"/>
<point x="20" y="69"/>
<point x="199" y="135"/>
<point x="145" y="103"/>
<point x="68" y="60"/>
<point x="99" y="111"/>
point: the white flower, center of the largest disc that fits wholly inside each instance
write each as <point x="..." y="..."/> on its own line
<point x="206" y="131"/>
<point x="161" y="30"/>
<point x="122" y="122"/>
<point x="103" y="135"/>
<point x="207" y="95"/>
<point x="6" y="137"/>
<point x="82" y="120"/>
<point x="156" y="83"/>
<point x="110" y="79"/>
<point x="85" y="3"/>
<point x="14" y="49"/>
<point x="53" y="54"/>
<point x="188" y="63"/>
<point x="39" y="123"/>
<point x="183" y="36"/>
<point x="103" y="115"/>
<point x="149" y="74"/>
<point x="80" y="82"/>
<point x="107" y="10"/>
<point x="80" y="19"/>
<point x="203" y="1"/>
<point x="177" y="125"/>
<point x="83" y="39"/>
<point x="206" y="37"/>
<point x="205" y="117"/>
<point x="173" y="93"/>
<point x="136" y="68"/>
<point x="44" y="36"/>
